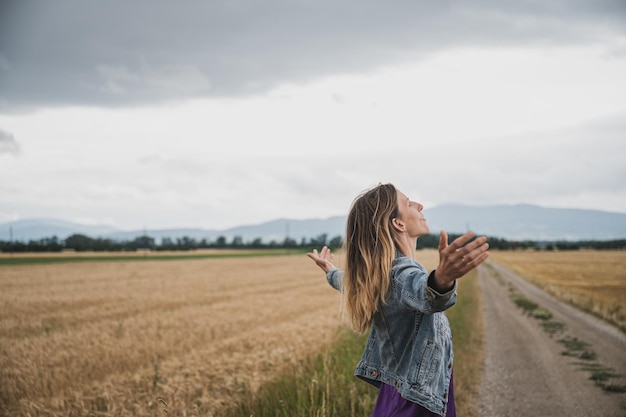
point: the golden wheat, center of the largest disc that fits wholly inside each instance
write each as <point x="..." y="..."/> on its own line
<point x="116" y="337"/>
<point x="592" y="280"/>
<point x="186" y="337"/>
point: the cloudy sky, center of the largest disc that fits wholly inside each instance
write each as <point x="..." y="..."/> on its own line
<point x="221" y="113"/>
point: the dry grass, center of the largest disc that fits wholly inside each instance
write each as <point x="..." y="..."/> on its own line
<point x="134" y="338"/>
<point x="594" y="281"/>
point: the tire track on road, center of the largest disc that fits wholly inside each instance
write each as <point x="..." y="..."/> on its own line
<point x="526" y="373"/>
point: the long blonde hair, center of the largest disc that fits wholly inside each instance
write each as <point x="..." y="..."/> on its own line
<point x="370" y="251"/>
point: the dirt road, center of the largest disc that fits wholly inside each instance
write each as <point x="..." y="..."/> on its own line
<point x="526" y="372"/>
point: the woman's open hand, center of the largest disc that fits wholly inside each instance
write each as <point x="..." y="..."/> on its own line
<point x="323" y="259"/>
<point x="459" y="257"/>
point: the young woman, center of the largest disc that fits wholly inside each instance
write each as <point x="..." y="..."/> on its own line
<point x="408" y="354"/>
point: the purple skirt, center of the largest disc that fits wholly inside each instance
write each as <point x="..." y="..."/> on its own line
<point x="390" y="404"/>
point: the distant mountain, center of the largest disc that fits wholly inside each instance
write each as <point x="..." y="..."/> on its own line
<point x="512" y="222"/>
<point x="529" y="222"/>
<point x="275" y="230"/>
<point x="35" y="229"/>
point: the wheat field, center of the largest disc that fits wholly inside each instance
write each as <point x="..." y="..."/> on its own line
<point x="168" y="337"/>
<point x="185" y="337"/>
<point x="592" y="280"/>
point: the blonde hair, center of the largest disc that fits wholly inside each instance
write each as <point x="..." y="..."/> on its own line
<point x="370" y="251"/>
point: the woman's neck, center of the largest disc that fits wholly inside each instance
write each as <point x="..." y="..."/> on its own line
<point x="406" y="246"/>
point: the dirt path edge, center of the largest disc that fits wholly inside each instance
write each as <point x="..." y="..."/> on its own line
<point x="526" y="372"/>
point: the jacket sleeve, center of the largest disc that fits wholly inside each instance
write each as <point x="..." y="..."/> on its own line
<point x="411" y="280"/>
<point x="335" y="278"/>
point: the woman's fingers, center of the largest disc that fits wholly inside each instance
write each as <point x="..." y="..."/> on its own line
<point x="466" y="253"/>
<point x="460" y="241"/>
<point x="474" y="253"/>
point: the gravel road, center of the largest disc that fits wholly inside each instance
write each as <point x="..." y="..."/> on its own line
<point x="526" y="373"/>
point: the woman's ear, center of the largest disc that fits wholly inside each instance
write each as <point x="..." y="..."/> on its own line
<point x="398" y="225"/>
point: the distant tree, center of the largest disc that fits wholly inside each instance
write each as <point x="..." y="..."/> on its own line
<point x="186" y="243"/>
<point x="48" y="244"/>
<point x="257" y="243"/>
<point x="336" y="242"/>
<point x="79" y="243"/>
<point x="319" y="241"/>
<point x="167" y="244"/>
<point x="220" y="242"/>
<point x="289" y="243"/>
<point x="107" y="245"/>
<point x="428" y="241"/>
<point x="142" y="242"/>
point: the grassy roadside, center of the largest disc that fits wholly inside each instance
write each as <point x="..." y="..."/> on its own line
<point x="466" y="319"/>
<point x="325" y="386"/>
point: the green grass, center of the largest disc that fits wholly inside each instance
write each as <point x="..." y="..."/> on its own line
<point x="322" y="387"/>
<point x="468" y="338"/>
<point x="601" y="376"/>
<point x="524" y="303"/>
<point x="577" y="348"/>
<point x="552" y="327"/>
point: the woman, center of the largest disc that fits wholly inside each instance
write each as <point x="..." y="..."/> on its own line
<point x="408" y="354"/>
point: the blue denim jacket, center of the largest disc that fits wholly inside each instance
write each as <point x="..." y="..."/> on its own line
<point x="410" y="342"/>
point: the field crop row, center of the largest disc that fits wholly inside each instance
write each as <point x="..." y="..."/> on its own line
<point x="125" y="338"/>
<point x="594" y="281"/>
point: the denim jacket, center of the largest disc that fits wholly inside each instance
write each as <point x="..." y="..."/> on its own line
<point x="410" y="342"/>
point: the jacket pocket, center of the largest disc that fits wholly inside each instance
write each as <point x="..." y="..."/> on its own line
<point x="427" y="365"/>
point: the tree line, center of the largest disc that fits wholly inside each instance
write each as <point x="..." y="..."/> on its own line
<point x="82" y="243"/>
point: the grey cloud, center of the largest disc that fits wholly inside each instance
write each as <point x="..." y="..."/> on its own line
<point x="181" y="165"/>
<point x="114" y="53"/>
<point x="586" y="159"/>
<point x="4" y="64"/>
<point x="8" y="144"/>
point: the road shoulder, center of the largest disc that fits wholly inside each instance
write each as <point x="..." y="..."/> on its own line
<point x="526" y="372"/>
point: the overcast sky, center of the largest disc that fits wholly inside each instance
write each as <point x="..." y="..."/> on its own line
<point x="214" y="114"/>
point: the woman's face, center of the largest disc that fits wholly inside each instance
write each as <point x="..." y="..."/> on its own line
<point x="410" y="213"/>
